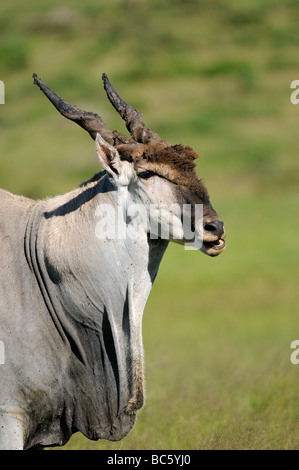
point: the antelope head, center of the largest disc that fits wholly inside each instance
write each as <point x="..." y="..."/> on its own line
<point x="154" y="173"/>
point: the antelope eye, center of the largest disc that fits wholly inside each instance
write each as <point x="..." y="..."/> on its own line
<point x="146" y="174"/>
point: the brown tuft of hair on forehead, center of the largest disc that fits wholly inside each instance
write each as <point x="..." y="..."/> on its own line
<point x="175" y="162"/>
<point x="179" y="155"/>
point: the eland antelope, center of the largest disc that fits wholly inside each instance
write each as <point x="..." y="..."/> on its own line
<point x="72" y="295"/>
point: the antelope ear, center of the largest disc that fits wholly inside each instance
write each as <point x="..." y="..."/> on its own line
<point x="108" y="156"/>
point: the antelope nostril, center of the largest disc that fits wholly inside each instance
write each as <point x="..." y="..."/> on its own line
<point x="216" y="227"/>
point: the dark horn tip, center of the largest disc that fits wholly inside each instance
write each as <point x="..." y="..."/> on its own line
<point x="105" y="79"/>
<point x="35" y="77"/>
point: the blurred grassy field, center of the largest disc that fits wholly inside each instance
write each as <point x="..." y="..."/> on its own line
<point x="214" y="75"/>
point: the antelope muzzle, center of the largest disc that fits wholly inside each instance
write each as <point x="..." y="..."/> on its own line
<point x="213" y="238"/>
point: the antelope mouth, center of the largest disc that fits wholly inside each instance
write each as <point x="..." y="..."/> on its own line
<point x="214" y="247"/>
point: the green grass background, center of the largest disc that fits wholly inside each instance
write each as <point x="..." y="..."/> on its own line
<point x="214" y="75"/>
